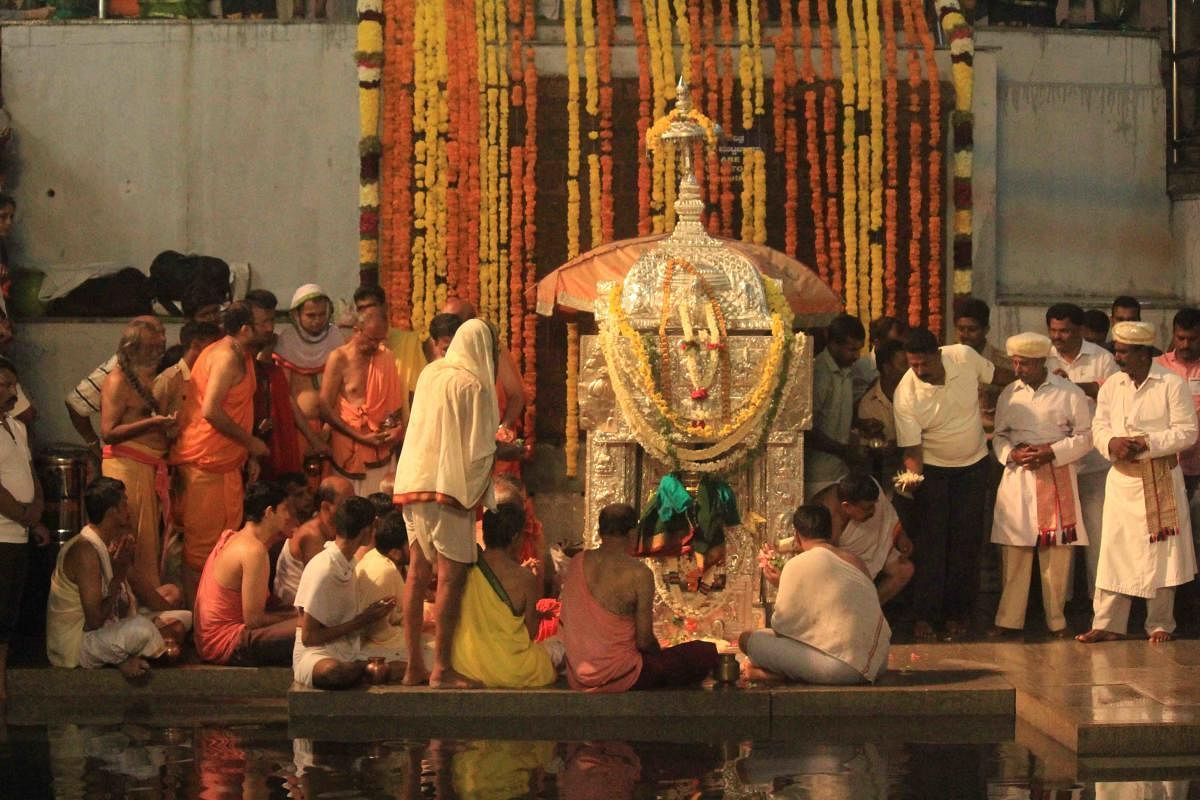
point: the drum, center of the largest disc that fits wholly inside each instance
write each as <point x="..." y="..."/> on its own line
<point x="62" y="470"/>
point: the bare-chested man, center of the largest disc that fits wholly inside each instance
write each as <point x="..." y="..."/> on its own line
<point x="302" y="350"/>
<point x="310" y="538"/>
<point x="366" y="404"/>
<point x="215" y="440"/>
<point x="233" y="624"/>
<point x="607" y="618"/>
<point x="136" y="434"/>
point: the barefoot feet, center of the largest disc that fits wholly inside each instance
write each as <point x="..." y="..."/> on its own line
<point x="1098" y="635"/>
<point x="1160" y="636"/>
<point x="414" y="675"/>
<point x="134" y="668"/>
<point x="449" y="679"/>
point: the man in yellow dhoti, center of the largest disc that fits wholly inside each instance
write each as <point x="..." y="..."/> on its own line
<point x="136" y="431"/>
<point x="1144" y="419"/>
<point x="493" y="643"/>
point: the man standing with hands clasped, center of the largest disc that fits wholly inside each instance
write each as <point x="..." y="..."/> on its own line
<point x="1043" y="428"/>
<point x="1144" y="419"/>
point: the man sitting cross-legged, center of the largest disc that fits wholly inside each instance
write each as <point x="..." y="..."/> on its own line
<point x="233" y="625"/>
<point x="379" y="573"/>
<point x="91" y="620"/>
<point x="607" y="624"/>
<point x="866" y="524"/>
<point x="827" y="627"/>
<point x="493" y="643"/>
<point x="327" y="653"/>
<point x="309" y="537"/>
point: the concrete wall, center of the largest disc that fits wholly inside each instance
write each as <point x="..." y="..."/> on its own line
<point x="231" y="139"/>
<point x="1081" y="208"/>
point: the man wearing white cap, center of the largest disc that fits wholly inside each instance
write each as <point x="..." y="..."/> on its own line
<point x="1144" y="419"/>
<point x="302" y="349"/>
<point x="1043" y="427"/>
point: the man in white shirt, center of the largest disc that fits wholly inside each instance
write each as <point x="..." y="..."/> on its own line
<point x="939" y="426"/>
<point x="20" y="510"/>
<point x="326" y="655"/>
<point x="1043" y="428"/>
<point x="1087" y="365"/>
<point x="828" y="443"/>
<point x="1144" y="419"/>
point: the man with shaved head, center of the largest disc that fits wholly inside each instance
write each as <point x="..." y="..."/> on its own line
<point x="365" y="402"/>
<point x="309" y="538"/>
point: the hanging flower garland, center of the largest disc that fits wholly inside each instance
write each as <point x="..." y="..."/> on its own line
<point x="910" y="8"/>
<point x="736" y="438"/>
<point x="645" y="89"/>
<point x="606" y="24"/>
<point x="571" y="446"/>
<point x="368" y="57"/>
<point x="396" y="201"/>
<point x="892" y="159"/>
<point x="530" y="153"/>
<point x="829" y="122"/>
<point x="726" y="165"/>
<point x="746" y="62"/>
<point x="934" y="281"/>
<point x="573" y="126"/>
<point x="875" y="229"/>
<point x="962" y="65"/>
<point x="849" y="172"/>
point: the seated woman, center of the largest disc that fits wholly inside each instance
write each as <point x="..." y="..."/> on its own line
<point x="494" y="640"/>
<point x="827" y="627"/>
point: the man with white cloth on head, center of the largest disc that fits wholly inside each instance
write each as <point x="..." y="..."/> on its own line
<point x="442" y="478"/>
<point x="1043" y="428"/>
<point x="1144" y="419"/>
<point x="302" y="349"/>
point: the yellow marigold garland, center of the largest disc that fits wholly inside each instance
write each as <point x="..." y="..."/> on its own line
<point x="849" y="173"/>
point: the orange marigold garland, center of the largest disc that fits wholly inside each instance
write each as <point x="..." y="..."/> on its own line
<point x="397" y="152"/>
<point x="909" y="8"/>
<point x="530" y="152"/>
<point x="606" y="20"/>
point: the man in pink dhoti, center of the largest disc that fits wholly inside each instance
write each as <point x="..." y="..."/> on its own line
<point x="366" y="404"/>
<point x="444" y="475"/>
<point x="607" y="622"/>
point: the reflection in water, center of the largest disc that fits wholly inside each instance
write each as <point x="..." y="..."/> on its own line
<point x="259" y="761"/>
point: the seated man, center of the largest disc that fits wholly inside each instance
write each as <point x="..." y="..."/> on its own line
<point x="607" y="625"/>
<point x="233" y="625"/>
<point x="91" y="620"/>
<point x="309" y="538"/>
<point x="379" y="573"/>
<point x="865" y="524"/>
<point x="326" y="655"/>
<point x="827" y="627"/>
<point x="493" y="643"/>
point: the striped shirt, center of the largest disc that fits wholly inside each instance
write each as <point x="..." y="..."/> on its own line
<point x="84" y="399"/>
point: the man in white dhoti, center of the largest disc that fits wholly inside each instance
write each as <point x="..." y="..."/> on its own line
<point x="443" y="476"/>
<point x="1087" y="365"/>
<point x="1144" y="419"/>
<point x="91" y="619"/>
<point x="866" y="524"/>
<point x="1043" y="428"/>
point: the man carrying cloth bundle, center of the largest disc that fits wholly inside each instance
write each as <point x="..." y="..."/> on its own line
<point x="1144" y="419"/>
<point x="1043" y="427"/>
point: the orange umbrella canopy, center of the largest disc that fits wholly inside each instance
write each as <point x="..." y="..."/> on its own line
<point x="572" y="287"/>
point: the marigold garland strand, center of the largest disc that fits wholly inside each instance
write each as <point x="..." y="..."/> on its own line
<point x="369" y="60"/>
<point x="934" y="268"/>
<point x="892" y="159"/>
<point x="915" y="198"/>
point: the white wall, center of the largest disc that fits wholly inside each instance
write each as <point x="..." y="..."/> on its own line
<point x="237" y="140"/>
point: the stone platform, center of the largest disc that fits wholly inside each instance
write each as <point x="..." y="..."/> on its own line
<point x="1105" y="703"/>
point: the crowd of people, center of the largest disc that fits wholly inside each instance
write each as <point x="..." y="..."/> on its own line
<point x="307" y="498"/>
<point x="1065" y="441"/>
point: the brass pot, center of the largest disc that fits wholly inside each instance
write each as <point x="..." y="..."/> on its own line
<point x="377" y="670"/>
<point x="728" y="670"/>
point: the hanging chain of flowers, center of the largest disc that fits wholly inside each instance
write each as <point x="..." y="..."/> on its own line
<point x="530" y="154"/>
<point x="368" y="57"/>
<point x="892" y="159"/>
<point x="933" y="291"/>
<point x="962" y="123"/>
